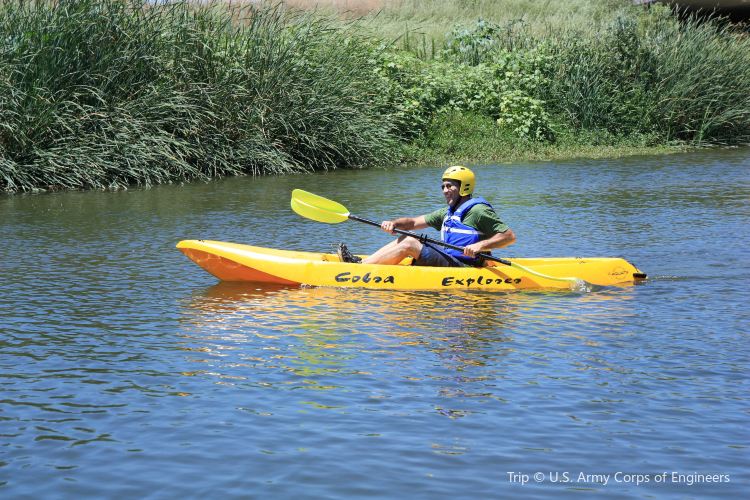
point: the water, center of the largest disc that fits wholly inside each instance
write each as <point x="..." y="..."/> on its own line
<point x="127" y="371"/>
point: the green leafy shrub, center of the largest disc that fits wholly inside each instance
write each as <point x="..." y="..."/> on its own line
<point x="525" y="116"/>
<point x="480" y="42"/>
<point x="644" y="74"/>
<point x="504" y="89"/>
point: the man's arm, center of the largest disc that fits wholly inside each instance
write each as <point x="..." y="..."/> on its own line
<point x="498" y="240"/>
<point x="404" y="223"/>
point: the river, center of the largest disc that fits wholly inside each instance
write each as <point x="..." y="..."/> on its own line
<point x="127" y="371"/>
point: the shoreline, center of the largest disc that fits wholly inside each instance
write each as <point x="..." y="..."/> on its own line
<point x="421" y="158"/>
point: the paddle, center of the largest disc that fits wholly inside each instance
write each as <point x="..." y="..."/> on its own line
<point x="321" y="209"/>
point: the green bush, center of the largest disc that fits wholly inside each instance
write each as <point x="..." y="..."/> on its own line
<point x="645" y="75"/>
<point x="503" y="88"/>
<point x="480" y="42"/>
<point x="525" y="116"/>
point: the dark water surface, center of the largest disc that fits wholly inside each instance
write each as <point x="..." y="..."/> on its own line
<point x="127" y="371"/>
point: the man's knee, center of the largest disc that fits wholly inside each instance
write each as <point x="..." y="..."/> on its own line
<point x="411" y="246"/>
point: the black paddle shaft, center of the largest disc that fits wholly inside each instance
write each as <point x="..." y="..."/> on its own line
<point x="423" y="238"/>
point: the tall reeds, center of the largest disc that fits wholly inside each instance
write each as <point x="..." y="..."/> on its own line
<point x="651" y="74"/>
<point x="106" y="93"/>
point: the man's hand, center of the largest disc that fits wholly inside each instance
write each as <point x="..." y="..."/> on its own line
<point x="473" y="249"/>
<point x="388" y="226"/>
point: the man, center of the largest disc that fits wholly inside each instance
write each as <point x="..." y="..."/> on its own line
<point x="468" y="222"/>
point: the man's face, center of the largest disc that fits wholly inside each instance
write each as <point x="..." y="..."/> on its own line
<point x="450" y="191"/>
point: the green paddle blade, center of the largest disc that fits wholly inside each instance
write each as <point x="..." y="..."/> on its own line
<point x="318" y="208"/>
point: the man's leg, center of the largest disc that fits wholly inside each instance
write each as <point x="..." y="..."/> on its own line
<point x="396" y="251"/>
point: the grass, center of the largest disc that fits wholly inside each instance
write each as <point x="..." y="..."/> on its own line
<point x="415" y="24"/>
<point x="472" y="138"/>
<point x="612" y="69"/>
<point x="106" y="93"/>
<point x="102" y="93"/>
<point x="653" y="75"/>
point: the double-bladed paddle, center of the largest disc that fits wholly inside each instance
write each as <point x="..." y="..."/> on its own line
<point x="321" y="209"/>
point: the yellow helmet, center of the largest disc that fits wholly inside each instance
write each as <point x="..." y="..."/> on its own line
<point x="464" y="176"/>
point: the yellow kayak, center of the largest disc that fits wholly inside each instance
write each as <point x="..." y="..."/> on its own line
<point x="237" y="262"/>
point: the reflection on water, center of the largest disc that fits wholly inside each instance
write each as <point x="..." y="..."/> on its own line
<point x="328" y="331"/>
<point x="125" y="370"/>
<point x="320" y="321"/>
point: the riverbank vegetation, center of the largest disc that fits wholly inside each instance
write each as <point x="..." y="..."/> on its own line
<point x="105" y="93"/>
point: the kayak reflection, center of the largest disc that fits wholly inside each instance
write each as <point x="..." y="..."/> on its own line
<point x="324" y="325"/>
<point x="292" y="310"/>
<point x="322" y="341"/>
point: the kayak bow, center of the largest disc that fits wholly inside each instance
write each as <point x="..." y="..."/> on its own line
<point x="237" y="262"/>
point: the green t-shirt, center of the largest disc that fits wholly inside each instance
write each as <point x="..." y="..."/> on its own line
<point x="480" y="217"/>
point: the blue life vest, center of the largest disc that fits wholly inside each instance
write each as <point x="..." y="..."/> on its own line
<point x="455" y="232"/>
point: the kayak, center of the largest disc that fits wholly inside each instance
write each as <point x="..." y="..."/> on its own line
<point x="237" y="262"/>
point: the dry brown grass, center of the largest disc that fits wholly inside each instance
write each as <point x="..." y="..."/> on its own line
<point x="350" y="8"/>
<point x="433" y="19"/>
<point x="343" y="8"/>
